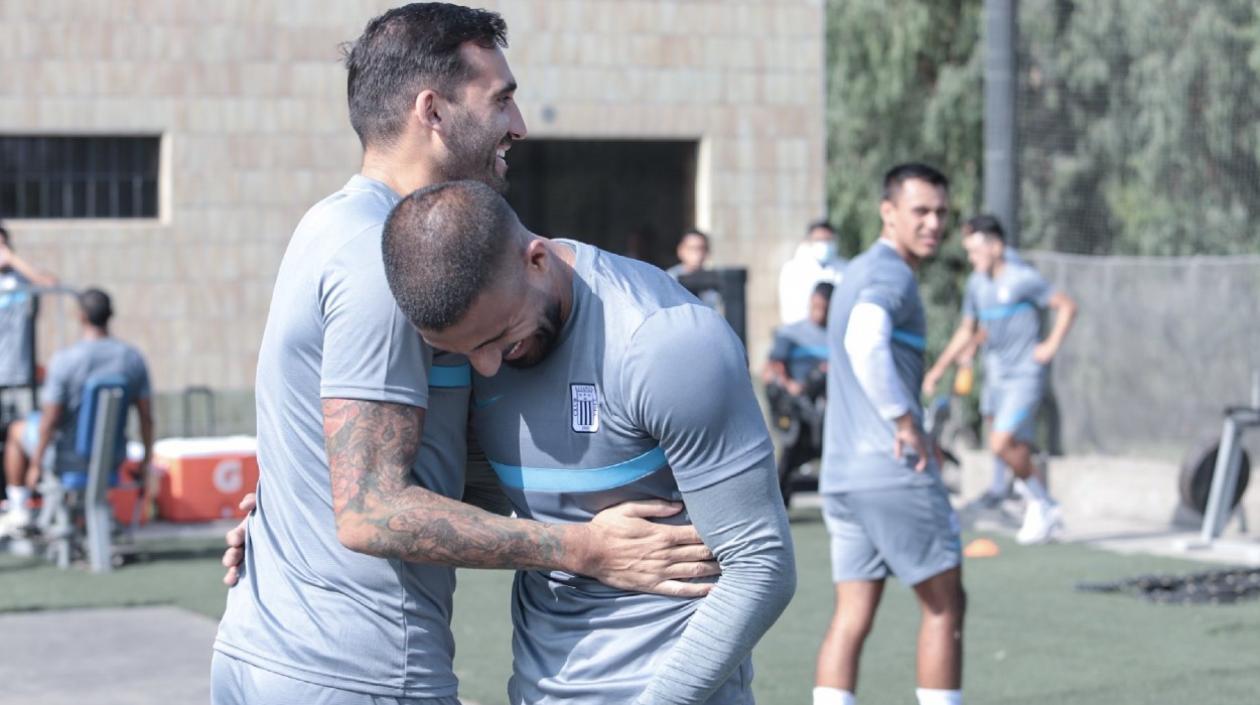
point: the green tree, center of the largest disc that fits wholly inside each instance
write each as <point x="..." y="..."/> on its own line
<point x="1139" y="130"/>
<point x="904" y="84"/>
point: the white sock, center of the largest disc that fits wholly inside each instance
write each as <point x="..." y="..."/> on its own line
<point x="931" y="696"/>
<point x="18" y="497"/>
<point x="1037" y="490"/>
<point x="833" y="696"/>
<point x="997" y="486"/>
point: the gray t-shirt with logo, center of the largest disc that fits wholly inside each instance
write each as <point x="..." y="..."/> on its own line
<point x="1009" y="307"/>
<point x="646" y="395"/>
<point x="307" y="607"/>
<point x="857" y="441"/>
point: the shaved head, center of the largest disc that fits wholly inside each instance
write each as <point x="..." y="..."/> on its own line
<point x="443" y="246"/>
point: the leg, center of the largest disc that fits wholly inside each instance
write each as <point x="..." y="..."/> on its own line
<point x="856" y="602"/>
<point x="943" y="603"/>
<point x="1015" y="453"/>
<point x="15" y="461"/>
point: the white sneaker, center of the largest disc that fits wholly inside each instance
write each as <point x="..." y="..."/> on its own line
<point x="16" y="522"/>
<point x="1042" y="523"/>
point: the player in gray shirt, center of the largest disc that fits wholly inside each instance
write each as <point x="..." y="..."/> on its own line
<point x="1007" y="298"/>
<point x="883" y="501"/>
<point x="602" y="380"/>
<point x="344" y="591"/>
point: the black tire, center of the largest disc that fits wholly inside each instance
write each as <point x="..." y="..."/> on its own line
<point x="1195" y="480"/>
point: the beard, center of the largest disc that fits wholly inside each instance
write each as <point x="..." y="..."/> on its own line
<point x="473" y="147"/>
<point x="544" y="339"/>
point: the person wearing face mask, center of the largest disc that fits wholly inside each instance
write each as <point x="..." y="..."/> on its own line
<point x="816" y="261"/>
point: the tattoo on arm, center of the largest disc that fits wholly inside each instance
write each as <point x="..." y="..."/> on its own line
<point x="381" y="509"/>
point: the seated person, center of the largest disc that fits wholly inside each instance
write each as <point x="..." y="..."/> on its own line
<point x="52" y="429"/>
<point x="693" y="256"/>
<point x="798" y="358"/>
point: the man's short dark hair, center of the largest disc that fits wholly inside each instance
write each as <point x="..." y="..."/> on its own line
<point x="902" y="173"/>
<point x="96" y="306"/>
<point x="443" y="245"/>
<point x="405" y="51"/>
<point x="694" y="232"/>
<point x="824" y="289"/>
<point x="821" y="223"/>
<point x="987" y="225"/>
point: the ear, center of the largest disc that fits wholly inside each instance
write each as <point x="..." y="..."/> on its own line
<point x="429" y="108"/>
<point x="536" y="255"/>
<point x="886" y="211"/>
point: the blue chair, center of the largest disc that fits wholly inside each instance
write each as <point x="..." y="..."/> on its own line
<point x="71" y="492"/>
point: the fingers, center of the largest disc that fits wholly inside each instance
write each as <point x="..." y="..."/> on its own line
<point x="647" y="508"/>
<point x="231" y="577"/>
<point x="685" y="553"/>
<point x="248" y="502"/>
<point x="695" y="569"/>
<point x="232" y="557"/>
<point x="235" y="537"/>
<point x="676" y="588"/>
<point x="681" y="535"/>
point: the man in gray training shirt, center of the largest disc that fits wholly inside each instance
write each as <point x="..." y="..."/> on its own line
<point x="345" y="585"/>
<point x="883" y="501"/>
<point x="602" y="380"/>
<point x="1007" y="297"/>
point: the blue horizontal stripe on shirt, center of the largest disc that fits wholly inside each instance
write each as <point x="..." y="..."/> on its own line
<point x="450" y="376"/>
<point x="996" y="312"/>
<point x="907" y="338"/>
<point x="580" y="479"/>
<point x="813" y="351"/>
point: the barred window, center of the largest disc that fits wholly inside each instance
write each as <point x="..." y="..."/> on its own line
<point x="81" y="176"/>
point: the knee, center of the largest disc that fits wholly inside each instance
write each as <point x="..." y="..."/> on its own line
<point x="15" y="431"/>
<point x="1000" y="442"/>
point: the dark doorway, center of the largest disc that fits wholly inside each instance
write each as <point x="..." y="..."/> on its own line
<point x="632" y="197"/>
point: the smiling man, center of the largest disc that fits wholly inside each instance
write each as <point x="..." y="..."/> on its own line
<point x="602" y="380"/>
<point x="347" y="575"/>
<point x="883" y="501"/>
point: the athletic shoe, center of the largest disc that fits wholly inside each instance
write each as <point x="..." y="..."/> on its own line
<point x="16" y="523"/>
<point x="1042" y="523"/>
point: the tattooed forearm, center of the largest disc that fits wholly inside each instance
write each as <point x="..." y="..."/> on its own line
<point x="381" y="510"/>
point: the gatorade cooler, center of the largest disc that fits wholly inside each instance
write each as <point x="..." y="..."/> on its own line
<point x="204" y="479"/>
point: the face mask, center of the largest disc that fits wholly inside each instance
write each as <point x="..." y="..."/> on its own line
<point x="823" y="251"/>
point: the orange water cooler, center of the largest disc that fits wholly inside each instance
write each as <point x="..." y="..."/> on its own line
<point x="204" y="479"/>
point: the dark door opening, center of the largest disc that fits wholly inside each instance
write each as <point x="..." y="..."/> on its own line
<point x="632" y="197"/>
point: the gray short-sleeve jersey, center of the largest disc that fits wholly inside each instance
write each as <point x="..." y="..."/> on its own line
<point x="857" y="441"/>
<point x="69" y="370"/>
<point x="620" y="410"/>
<point x="801" y="346"/>
<point x="1009" y="307"/>
<point x="16" y="308"/>
<point x="307" y="607"/>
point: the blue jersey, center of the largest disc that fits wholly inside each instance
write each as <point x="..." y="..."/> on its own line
<point x="801" y="347"/>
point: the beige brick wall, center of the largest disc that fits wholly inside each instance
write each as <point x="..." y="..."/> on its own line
<point x="249" y="97"/>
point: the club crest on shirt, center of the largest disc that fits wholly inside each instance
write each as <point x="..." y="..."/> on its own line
<point x="585" y="402"/>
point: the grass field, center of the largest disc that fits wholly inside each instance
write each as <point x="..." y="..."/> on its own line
<point x="1031" y="638"/>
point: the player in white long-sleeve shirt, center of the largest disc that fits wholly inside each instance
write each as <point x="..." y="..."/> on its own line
<point x="883" y="501"/>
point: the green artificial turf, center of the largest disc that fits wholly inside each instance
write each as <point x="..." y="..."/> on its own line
<point x="1031" y="638"/>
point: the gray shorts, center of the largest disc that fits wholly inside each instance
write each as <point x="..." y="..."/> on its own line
<point x="1014" y="405"/>
<point x="910" y="532"/>
<point x="234" y="682"/>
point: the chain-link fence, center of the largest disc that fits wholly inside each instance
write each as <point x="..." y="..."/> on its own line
<point x="1138" y="126"/>
<point x="1161" y="346"/>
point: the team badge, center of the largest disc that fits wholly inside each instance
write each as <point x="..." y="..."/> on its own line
<point x="585" y="402"/>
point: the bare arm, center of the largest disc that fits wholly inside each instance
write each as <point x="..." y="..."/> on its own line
<point x="962" y="340"/>
<point x="1064" y="315"/>
<point x="144" y="409"/>
<point x="381" y="510"/>
<point x="36" y="276"/>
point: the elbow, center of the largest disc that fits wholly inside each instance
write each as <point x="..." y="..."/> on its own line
<point x="355" y="534"/>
